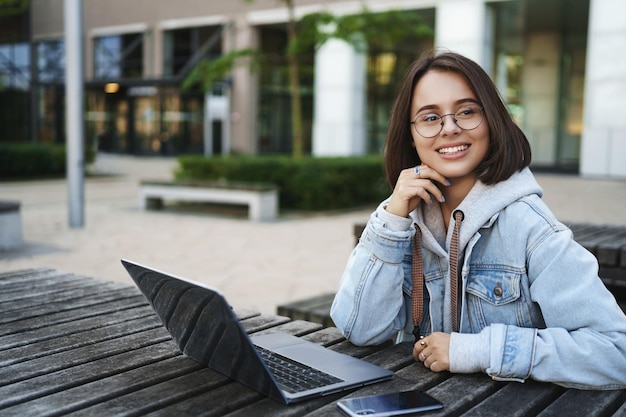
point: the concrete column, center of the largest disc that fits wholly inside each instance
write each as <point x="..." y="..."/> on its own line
<point x="604" y="133"/>
<point x="466" y="27"/>
<point x="153" y="47"/>
<point x="339" y="127"/>
<point x="541" y="94"/>
<point x="244" y="93"/>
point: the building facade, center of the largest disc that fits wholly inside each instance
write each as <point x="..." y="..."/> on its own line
<point x="555" y="62"/>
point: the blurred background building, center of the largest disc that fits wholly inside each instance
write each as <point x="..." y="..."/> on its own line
<point x="558" y="65"/>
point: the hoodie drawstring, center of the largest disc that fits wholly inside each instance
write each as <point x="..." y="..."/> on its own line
<point x="417" y="292"/>
<point x="454" y="265"/>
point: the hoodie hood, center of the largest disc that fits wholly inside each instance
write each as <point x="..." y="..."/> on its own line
<point x="480" y="208"/>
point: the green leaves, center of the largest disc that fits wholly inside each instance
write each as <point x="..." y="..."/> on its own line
<point x="207" y="72"/>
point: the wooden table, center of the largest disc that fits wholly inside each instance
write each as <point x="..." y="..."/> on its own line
<point x="72" y="345"/>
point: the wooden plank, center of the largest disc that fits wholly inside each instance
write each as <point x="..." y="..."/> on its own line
<point x="608" y="252"/>
<point x="47" y="315"/>
<point x="327" y="336"/>
<point x="50" y="346"/>
<point x="530" y="398"/>
<point x="59" y="297"/>
<point x="574" y="403"/>
<point x="315" y="309"/>
<point x="297" y="328"/>
<point x="171" y="390"/>
<point x="72" y="327"/>
<point x="593" y="236"/>
<point x="82" y="355"/>
<point x="26" y="273"/>
<point x="217" y="402"/>
<point x="59" y="377"/>
<point x="613" y="277"/>
<point x="262" y="322"/>
<point x="110" y="394"/>
<point x="47" y="281"/>
<point x="90" y="304"/>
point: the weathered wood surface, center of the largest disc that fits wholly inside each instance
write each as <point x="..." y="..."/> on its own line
<point x="71" y="345"/>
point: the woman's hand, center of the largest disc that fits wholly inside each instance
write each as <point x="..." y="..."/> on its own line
<point x="433" y="350"/>
<point x="414" y="185"/>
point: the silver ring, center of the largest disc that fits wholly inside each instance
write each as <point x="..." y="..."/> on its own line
<point x="422" y="357"/>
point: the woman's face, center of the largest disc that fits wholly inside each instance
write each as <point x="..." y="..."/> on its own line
<point x="454" y="153"/>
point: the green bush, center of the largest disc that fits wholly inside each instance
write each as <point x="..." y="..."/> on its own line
<point x="34" y="160"/>
<point x="305" y="184"/>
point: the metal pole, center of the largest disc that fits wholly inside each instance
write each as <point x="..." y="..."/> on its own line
<point x="74" y="82"/>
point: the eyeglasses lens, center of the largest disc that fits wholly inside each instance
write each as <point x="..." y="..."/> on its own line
<point x="430" y="124"/>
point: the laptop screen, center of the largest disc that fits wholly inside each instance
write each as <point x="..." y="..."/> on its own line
<point x="204" y="327"/>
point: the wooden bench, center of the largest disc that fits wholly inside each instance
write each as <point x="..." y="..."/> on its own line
<point x="262" y="199"/>
<point x="315" y="309"/>
<point x="607" y="243"/>
<point x="10" y="225"/>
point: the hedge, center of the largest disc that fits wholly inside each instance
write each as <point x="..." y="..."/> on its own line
<point x="34" y="160"/>
<point x="309" y="183"/>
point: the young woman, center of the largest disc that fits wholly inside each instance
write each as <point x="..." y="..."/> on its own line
<point x="465" y="256"/>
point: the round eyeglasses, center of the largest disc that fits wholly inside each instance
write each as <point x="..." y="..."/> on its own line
<point x="429" y="125"/>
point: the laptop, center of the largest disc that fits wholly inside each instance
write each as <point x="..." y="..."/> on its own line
<point x="206" y="329"/>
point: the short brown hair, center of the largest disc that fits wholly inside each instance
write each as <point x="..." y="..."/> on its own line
<point x="509" y="150"/>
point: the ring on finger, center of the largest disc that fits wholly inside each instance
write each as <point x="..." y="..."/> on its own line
<point x="417" y="171"/>
<point x="422" y="357"/>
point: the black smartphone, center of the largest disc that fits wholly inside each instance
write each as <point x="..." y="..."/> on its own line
<point x="390" y="404"/>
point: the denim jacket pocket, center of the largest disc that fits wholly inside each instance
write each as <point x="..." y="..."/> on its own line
<point x="495" y="296"/>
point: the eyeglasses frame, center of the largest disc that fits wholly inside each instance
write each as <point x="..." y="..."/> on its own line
<point x="482" y="113"/>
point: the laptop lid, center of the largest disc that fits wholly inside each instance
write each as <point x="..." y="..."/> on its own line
<point x="207" y="330"/>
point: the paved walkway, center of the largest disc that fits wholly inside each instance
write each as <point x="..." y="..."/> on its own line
<point x="256" y="265"/>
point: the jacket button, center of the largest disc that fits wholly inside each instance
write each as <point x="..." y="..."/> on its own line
<point x="498" y="290"/>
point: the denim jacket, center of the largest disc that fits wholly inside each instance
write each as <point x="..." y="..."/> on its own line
<point x="531" y="302"/>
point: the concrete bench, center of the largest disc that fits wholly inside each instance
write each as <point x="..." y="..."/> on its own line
<point x="262" y="199"/>
<point x="10" y="225"/>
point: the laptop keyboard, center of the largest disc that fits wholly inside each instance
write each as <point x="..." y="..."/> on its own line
<point x="293" y="376"/>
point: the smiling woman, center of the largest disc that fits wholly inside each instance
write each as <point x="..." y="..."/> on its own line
<point x="465" y="258"/>
<point x="448" y="147"/>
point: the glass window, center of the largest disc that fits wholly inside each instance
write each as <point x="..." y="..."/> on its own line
<point x="51" y="61"/>
<point x="275" y="129"/>
<point x="539" y="61"/>
<point x="118" y="56"/>
<point x="386" y="66"/>
<point x="181" y="44"/>
<point x="15" y="66"/>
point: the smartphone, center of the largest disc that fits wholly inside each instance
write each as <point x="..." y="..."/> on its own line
<point x="390" y="404"/>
